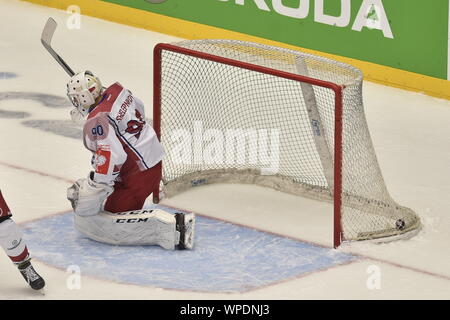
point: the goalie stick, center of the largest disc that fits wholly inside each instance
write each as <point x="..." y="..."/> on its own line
<point x="46" y="39"/>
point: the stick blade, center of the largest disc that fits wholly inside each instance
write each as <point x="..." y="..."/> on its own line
<point x="49" y="30"/>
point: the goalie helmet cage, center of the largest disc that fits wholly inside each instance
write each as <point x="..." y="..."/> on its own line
<point x="310" y="104"/>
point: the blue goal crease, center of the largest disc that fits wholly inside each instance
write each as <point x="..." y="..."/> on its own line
<point x="226" y="257"/>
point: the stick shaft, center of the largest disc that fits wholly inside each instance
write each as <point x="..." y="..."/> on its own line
<point x="46" y="39"/>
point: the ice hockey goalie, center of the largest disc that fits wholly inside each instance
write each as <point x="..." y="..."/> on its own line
<point x="126" y="157"/>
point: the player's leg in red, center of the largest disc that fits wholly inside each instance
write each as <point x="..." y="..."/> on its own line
<point x="14" y="245"/>
<point x="132" y="191"/>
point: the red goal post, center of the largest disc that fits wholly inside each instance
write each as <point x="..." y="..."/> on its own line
<point x="200" y="51"/>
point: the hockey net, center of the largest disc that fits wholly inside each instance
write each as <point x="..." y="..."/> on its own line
<point x="238" y="112"/>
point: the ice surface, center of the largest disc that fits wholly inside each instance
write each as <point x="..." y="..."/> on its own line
<point x="226" y="257"/>
<point x="40" y="155"/>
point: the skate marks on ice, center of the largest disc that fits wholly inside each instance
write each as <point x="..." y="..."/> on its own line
<point x="225" y="258"/>
<point x="4" y="114"/>
<point x="65" y="128"/>
<point x="3" y="96"/>
<point x="7" y="75"/>
<point x="47" y="100"/>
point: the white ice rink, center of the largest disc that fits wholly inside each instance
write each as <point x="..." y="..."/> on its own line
<point x="410" y="131"/>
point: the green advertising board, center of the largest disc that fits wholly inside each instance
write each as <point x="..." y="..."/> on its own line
<point x="410" y="35"/>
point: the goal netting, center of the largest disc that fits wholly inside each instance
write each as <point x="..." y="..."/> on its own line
<point x="239" y="112"/>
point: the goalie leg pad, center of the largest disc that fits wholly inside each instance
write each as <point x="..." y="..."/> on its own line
<point x="141" y="227"/>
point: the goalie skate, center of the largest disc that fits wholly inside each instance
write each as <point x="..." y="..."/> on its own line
<point x="185" y="225"/>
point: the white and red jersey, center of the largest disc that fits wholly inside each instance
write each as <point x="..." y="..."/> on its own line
<point x="122" y="142"/>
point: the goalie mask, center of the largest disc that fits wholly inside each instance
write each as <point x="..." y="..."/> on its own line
<point x="83" y="90"/>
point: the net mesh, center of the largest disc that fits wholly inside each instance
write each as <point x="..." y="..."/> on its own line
<point x="225" y="123"/>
